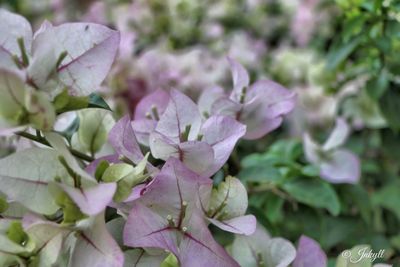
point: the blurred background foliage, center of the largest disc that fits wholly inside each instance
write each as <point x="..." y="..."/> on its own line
<point x="341" y="57"/>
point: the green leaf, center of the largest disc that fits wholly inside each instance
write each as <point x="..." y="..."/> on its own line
<point x="170" y="261"/>
<point x="264" y="171"/>
<point x="274" y="208"/>
<point x="314" y="192"/>
<point x="100" y="169"/>
<point x="310" y="171"/>
<point x="377" y="86"/>
<point x="359" y="196"/>
<point x="3" y="205"/>
<point x="390" y="108"/>
<point x="341" y="52"/>
<point x="96" y="101"/>
<point x="71" y="211"/>
<point x="16" y="233"/>
<point x="389" y="198"/>
<point x="65" y="102"/>
<point x="93" y="128"/>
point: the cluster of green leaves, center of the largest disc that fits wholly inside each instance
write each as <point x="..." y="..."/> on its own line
<point x="368" y="44"/>
<point x="287" y="195"/>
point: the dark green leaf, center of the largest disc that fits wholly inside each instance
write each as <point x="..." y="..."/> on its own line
<point x="389" y="198"/>
<point x="339" y="53"/>
<point x="264" y="172"/>
<point x="314" y="192"/>
<point x="377" y="86"/>
<point x="390" y="107"/>
<point x="96" y="101"/>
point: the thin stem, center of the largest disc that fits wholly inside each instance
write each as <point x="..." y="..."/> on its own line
<point x="43" y="141"/>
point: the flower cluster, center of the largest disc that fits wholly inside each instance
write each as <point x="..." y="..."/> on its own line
<point x="157" y="180"/>
<point x="132" y="145"/>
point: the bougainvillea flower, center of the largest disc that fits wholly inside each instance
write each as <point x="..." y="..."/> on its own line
<point x="124" y="142"/>
<point x="123" y="139"/>
<point x="181" y="133"/>
<point x="147" y="114"/>
<point x="309" y="254"/>
<point x="260" y="249"/>
<point x="259" y="106"/>
<point x="228" y="206"/>
<point x="58" y="56"/>
<point x="337" y="165"/>
<point x="168" y="216"/>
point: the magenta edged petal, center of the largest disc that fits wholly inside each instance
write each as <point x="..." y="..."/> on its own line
<point x="343" y="167"/>
<point x="180" y="113"/>
<point x="222" y="134"/>
<point x="85" y="68"/>
<point x="123" y="140"/>
<point x="158" y="99"/>
<point x="96" y="247"/>
<point x="93" y="200"/>
<point x="244" y="225"/>
<point x="309" y="254"/>
<point x="198" y="247"/>
<point x="179" y="181"/>
<point x="145" y="228"/>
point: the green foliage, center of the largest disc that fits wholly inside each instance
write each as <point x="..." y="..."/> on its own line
<point x="17" y="234"/>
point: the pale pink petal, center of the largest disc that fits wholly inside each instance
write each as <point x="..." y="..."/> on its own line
<point x="243" y="225"/>
<point x="342" y="167"/>
<point x="95" y="247"/>
<point x="221" y="133"/>
<point x="162" y="147"/>
<point x="123" y="140"/>
<point x="309" y="254"/>
<point x="142" y="129"/>
<point x="208" y="98"/>
<point x="198" y="247"/>
<point x="240" y="78"/>
<point x="181" y="113"/>
<point x="91" y="49"/>
<point x="159" y="100"/>
<point x="197" y="156"/>
<point x="12" y="27"/>
<point x="338" y="136"/>
<point x="311" y="149"/>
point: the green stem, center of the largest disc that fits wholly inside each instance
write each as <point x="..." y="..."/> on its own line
<point x="43" y="141"/>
